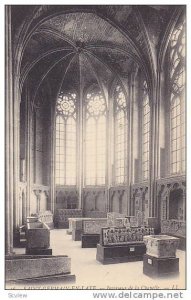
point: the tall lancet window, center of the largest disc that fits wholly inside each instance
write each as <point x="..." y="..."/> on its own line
<point x="120" y="136"/>
<point x="95" y="139"/>
<point x="145" y="132"/>
<point x="66" y="139"/>
<point x="177" y="100"/>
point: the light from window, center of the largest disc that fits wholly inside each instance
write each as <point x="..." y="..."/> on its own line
<point x="120" y="144"/>
<point x="66" y="139"/>
<point x="95" y="165"/>
<point x="145" y="133"/>
<point x="177" y="104"/>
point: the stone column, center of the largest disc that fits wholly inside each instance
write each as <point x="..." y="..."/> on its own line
<point x="130" y="139"/>
<point x="29" y="173"/>
<point x="110" y="150"/>
<point x="80" y="139"/>
<point x="52" y="160"/>
<point x="154" y="145"/>
<point x="16" y="138"/>
<point x="9" y="143"/>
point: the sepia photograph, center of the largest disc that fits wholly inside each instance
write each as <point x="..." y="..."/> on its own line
<point x="95" y="147"/>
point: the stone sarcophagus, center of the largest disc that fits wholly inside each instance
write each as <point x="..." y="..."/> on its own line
<point x="161" y="246"/>
<point x="24" y="271"/>
<point x="38" y="239"/>
<point x="120" y="236"/>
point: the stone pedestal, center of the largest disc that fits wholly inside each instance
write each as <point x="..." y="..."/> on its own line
<point x="161" y="246"/>
<point x="120" y="253"/>
<point x="156" y="267"/>
<point x="90" y="240"/>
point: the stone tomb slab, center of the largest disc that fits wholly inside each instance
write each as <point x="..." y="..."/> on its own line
<point x="159" y="267"/>
<point x="120" y="253"/>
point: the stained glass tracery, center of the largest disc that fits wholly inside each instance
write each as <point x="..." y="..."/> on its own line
<point x="177" y="100"/>
<point x="66" y="139"/>
<point x="120" y="144"/>
<point x="95" y="146"/>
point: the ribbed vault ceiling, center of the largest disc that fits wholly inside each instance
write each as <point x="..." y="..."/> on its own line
<point x="76" y="49"/>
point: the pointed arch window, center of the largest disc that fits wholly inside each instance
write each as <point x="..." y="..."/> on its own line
<point x="66" y="139"/>
<point x="120" y="135"/>
<point x="177" y="100"/>
<point x="95" y="138"/>
<point x="145" y="132"/>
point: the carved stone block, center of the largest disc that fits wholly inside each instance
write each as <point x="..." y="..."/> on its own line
<point x="47" y="218"/>
<point x="161" y="246"/>
<point x="174" y="227"/>
<point x="115" y="219"/>
<point x="121" y="236"/>
<point x="94" y="226"/>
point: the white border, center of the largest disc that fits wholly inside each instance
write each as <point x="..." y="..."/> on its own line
<point x="74" y="294"/>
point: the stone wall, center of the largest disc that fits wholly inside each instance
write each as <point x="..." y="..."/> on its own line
<point x="94" y="202"/>
<point x="140" y="200"/>
<point x="118" y="200"/>
<point x="66" y="198"/>
<point x="171" y="196"/>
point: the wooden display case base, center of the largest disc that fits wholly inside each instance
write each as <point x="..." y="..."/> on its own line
<point x="90" y="240"/>
<point x="120" y="253"/>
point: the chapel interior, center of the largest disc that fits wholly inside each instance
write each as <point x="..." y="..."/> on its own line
<point x="95" y="123"/>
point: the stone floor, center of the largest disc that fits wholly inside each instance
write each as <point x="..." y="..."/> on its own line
<point x="92" y="274"/>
